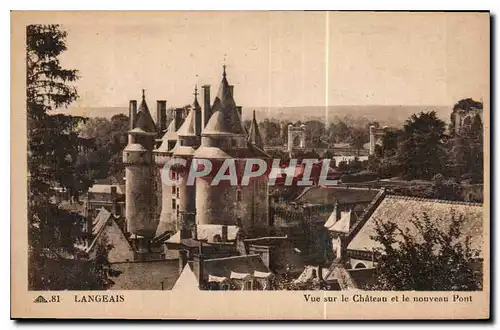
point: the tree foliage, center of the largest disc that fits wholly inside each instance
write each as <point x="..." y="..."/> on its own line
<point x="53" y="146"/>
<point x="427" y="259"/>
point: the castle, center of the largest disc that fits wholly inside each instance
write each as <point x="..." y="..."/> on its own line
<point x="156" y="209"/>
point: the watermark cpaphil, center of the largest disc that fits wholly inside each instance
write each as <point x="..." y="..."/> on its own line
<point x="240" y="172"/>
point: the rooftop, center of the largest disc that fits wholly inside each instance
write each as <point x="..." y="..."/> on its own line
<point x="401" y="209"/>
<point x="332" y="195"/>
<point x="211" y="233"/>
<point x="223" y="267"/>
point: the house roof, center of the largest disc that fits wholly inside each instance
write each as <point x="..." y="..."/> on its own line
<point x="106" y="189"/>
<point x="401" y="209"/>
<point x="187" y="281"/>
<point x="330" y="195"/>
<point x="308" y="274"/>
<point x="209" y="233"/>
<point x="146" y="275"/>
<point x="224" y="267"/>
<point x="100" y="220"/>
<point x="344" y="225"/>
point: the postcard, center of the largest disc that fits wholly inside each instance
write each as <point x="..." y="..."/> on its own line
<point x="250" y="165"/>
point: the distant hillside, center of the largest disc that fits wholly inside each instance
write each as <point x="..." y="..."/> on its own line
<point x="391" y="115"/>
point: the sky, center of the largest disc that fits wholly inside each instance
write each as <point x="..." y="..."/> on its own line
<point x="279" y="59"/>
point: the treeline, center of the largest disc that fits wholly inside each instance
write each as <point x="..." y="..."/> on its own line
<point x="319" y="133"/>
<point x="423" y="149"/>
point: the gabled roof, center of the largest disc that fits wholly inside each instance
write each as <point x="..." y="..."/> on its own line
<point x="187" y="280"/>
<point x="254" y="136"/>
<point x="143" y="118"/>
<point x="345" y="222"/>
<point x="225" y="118"/>
<point x="401" y="209"/>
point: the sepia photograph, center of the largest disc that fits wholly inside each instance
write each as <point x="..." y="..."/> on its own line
<point x="330" y="156"/>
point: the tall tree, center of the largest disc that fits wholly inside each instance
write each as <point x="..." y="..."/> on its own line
<point x="421" y="153"/>
<point x="52" y="147"/>
<point x="47" y="88"/>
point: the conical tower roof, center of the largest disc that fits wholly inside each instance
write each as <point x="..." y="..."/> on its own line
<point x="254" y="136"/>
<point x="188" y="126"/>
<point x="144" y="120"/>
<point x="225" y="118"/>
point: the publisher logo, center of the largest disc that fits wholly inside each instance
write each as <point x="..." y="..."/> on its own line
<point x="40" y="299"/>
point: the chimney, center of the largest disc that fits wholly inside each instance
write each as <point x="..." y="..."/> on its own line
<point x="337" y="211"/>
<point x="178" y="117"/>
<point x="132" y="112"/>
<point x="197" y="121"/>
<point x="114" y="200"/>
<point x="224" y="233"/>
<point x="238" y="108"/>
<point x="161" y="115"/>
<point x="231" y="90"/>
<point x="206" y="105"/>
<point x="182" y="260"/>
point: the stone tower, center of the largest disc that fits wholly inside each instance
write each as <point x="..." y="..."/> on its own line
<point x="224" y="138"/>
<point x="137" y="157"/>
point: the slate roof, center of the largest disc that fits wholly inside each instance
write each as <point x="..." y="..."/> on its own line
<point x="400" y="209"/>
<point x="223" y="267"/>
<point x="146" y="275"/>
<point x="225" y="118"/>
<point x="188" y="126"/>
<point x="143" y="118"/>
<point x="330" y="195"/>
<point x="208" y="232"/>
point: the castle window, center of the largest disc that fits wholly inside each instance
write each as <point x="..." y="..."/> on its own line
<point x="177" y="192"/>
<point x="173" y="190"/>
<point x="173" y="203"/>
<point x="238" y="195"/>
